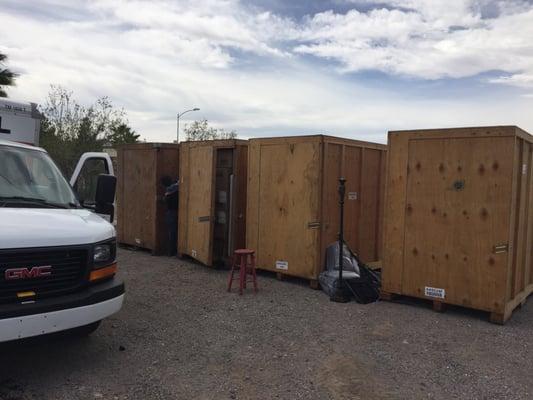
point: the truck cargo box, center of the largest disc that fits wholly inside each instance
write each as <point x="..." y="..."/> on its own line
<point x="19" y="122"/>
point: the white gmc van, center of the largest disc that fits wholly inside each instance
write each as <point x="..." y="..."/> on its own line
<point x="57" y="252"/>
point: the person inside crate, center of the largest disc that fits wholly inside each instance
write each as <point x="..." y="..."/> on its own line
<point x="171" y="215"/>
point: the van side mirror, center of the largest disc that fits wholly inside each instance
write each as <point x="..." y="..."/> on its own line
<point x="106" y="186"/>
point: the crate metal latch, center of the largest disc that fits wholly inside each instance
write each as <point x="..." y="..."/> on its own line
<point x="500" y="248"/>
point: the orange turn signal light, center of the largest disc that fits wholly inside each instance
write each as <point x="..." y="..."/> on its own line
<point x="102" y="273"/>
<point x="23" y="295"/>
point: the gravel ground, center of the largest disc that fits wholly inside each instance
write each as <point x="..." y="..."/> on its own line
<point x="180" y="335"/>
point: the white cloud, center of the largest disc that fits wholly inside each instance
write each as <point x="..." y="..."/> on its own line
<point x="427" y="39"/>
<point x="221" y="24"/>
<point x="523" y="80"/>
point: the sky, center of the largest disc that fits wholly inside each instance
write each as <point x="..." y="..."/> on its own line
<point x="350" y="68"/>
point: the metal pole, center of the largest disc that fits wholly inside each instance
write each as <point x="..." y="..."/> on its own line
<point x="179" y="115"/>
<point x="342" y="191"/>
<point x="178" y="135"/>
<point x="338" y="294"/>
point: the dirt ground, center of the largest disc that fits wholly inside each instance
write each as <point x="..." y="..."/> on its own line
<point x="180" y="335"/>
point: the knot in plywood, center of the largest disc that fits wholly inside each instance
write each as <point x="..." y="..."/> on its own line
<point x="459" y="185"/>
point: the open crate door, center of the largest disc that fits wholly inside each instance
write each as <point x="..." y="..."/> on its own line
<point x="201" y="202"/>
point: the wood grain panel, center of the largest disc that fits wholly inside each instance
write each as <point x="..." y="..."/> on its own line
<point x="183" y="210"/>
<point x="253" y="195"/>
<point x="528" y="259"/>
<point x="240" y="193"/>
<point x="521" y="223"/>
<point x="293" y="182"/>
<point x="370" y="205"/>
<point x="333" y="166"/>
<point x="288" y="203"/>
<point x="394" y="214"/>
<point x="456" y="213"/>
<point x="138" y="201"/>
<point x="140" y="205"/>
<point x="198" y="160"/>
<point x="352" y="173"/>
<point x="200" y="216"/>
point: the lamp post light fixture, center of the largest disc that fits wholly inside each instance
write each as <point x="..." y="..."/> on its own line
<point x="179" y="115"/>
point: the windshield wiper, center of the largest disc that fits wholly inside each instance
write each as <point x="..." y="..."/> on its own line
<point x="33" y="200"/>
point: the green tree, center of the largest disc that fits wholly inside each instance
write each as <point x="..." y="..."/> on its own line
<point x="69" y="129"/>
<point x="7" y="77"/>
<point x="59" y="148"/>
<point x="122" y="134"/>
<point x="200" y="130"/>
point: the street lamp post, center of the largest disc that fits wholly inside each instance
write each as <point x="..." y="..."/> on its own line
<point x="180" y="115"/>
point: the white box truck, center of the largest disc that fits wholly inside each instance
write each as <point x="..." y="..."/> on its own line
<point x="19" y="122"/>
<point x="57" y="253"/>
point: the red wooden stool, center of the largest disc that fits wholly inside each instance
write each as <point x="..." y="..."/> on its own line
<point x="244" y="261"/>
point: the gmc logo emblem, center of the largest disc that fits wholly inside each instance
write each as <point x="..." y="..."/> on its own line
<point x="28" y="273"/>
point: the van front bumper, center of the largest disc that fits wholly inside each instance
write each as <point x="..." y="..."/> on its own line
<point x="55" y="314"/>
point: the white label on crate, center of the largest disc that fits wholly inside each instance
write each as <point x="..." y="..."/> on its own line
<point x="222" y="196"/>
<point x="435" y="292"/>
<point x="137" y="240"/>
<point x="352" y="195"/>
<point x="193" y="253"/>
<point x="524" y="169"/>
<point x="284" y="265"/>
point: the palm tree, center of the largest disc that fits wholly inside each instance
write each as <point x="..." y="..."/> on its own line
<point x="7" y="77"/>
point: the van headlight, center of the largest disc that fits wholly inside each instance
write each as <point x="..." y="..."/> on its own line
<point x="104" y="253"/>
<point x="104" y="261"/>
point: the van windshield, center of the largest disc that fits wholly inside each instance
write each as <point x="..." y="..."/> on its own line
<point x="29" y="178"/>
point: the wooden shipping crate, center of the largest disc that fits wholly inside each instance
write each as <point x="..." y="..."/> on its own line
<point x="293" y="202"/>
<point x="212" y="208"/>
<point x="458" y="219"/>
<point x="140" y="194"/>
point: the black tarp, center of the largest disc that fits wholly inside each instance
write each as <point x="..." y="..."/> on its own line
<point x="359" y="281"/>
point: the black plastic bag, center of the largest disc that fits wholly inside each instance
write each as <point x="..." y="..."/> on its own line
<point x="365" y="289"/>
<point x="359" y="281"/>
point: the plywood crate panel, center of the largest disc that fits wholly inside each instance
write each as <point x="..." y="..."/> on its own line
<point x="212" y="209"/>
<point x="458" y="219"/>
<point x="293" y="203"/>
<point x="140" y="194"/>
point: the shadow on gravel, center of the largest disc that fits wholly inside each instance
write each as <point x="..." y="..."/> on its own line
<point x="50" y="343"/>
<point x="11" y="390"/>
<point x="20" y="359"/>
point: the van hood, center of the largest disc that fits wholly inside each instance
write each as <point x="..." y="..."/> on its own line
<point x="40" y="227"/>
